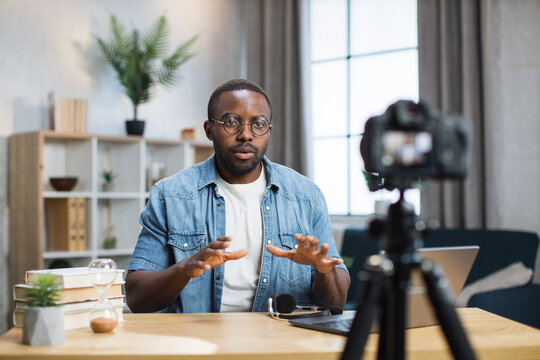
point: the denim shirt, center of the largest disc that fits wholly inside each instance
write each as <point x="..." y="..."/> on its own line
<point x="184" y="213"/>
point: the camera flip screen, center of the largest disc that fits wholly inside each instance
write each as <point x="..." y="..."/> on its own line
<point x="406" y="148"/>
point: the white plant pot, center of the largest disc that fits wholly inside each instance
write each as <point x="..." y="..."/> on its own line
<point x="108" y="186"/>
<point x="44" y="326"/>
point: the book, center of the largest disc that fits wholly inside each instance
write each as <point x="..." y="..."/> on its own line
<point x="79" y="305"/>
<point x="71" y="294"/>
<point x="66" y="224"/>
<point x="67" y="115"/>
<point x="72" y="320"/>
<point x="76" y="277"/>
<point x="81" y="224"/>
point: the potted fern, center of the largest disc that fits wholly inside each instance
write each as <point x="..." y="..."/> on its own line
<point x="140" y="63"/>
<point x="43" y="322"/>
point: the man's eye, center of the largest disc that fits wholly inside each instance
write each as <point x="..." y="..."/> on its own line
<point x="231" y="121"/>
<point x="260" y="124"/>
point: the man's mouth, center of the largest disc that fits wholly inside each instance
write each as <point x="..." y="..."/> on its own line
<point x="244" y="153"/>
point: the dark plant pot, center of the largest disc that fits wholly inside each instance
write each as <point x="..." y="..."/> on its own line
<point x="135" y="127"/>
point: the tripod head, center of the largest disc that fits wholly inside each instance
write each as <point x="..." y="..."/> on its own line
<point x="401" y="232"/>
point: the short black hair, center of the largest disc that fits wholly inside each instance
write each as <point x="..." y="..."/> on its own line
<point x="232" y="85"/>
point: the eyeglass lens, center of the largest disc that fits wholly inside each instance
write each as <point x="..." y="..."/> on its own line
<point x="232" y="124"/>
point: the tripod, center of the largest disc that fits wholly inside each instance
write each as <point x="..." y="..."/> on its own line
<point x="385" y="282"/>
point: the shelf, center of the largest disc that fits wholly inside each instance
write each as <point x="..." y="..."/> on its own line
<point x="66" y="254"/>
<point x="66" y="194"/>
<point x="35" y="157"/>
<point x="119" y="195"/>
<point x="114" y="252"/>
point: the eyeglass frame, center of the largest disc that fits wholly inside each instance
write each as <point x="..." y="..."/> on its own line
<point x="242" y="124"/>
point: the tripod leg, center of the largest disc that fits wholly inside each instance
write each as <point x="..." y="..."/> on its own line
<point x="366" y="308"/>
<point x="392" y="331"/>
<point x="441" y="298"/>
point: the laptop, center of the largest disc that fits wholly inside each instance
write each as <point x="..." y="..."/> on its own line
<point x="456" y="262"/>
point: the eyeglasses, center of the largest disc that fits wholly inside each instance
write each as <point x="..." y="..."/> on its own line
<point x="232" y="124"/>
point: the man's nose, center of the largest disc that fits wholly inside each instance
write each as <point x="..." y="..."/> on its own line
<point x="245" y="133"/>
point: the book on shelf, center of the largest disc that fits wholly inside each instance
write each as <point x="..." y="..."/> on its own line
<point x="67" y="115"/>
<point x="76" y="277"/>
<point x="66" y="224"/>
<point x="82" y="305"/>
<point x="72" y="320"/>
<point x="71" y="294"/>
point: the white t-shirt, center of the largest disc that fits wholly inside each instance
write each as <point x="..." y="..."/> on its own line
<point x="244" y="225"/>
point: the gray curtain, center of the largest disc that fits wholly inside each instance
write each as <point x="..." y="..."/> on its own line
<point x="451" y="37"/>
<point x="273" y="51"/>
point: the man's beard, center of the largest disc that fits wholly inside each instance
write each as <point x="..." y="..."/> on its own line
<point x="238" y="166"/>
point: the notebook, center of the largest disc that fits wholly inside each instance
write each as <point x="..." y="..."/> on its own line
<point x="456" y="262"/>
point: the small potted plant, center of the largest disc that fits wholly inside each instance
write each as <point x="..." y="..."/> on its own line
<point x="109" y="241"/>
<point x="108" y="177"/>
<point x="135" y="59"/>
<point x="43" y="322"/>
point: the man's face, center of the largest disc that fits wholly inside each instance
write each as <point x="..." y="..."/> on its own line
<point x="239" y="155"/>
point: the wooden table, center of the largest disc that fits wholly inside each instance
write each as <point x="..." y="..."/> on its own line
<point x="256" y="336"/>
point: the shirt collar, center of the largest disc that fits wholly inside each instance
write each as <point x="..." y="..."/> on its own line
<point x="208" y="173"/>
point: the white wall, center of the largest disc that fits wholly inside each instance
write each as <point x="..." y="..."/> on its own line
<point x="47" y="45"/>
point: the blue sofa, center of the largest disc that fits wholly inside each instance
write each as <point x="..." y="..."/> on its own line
<point x="498" y="249"/>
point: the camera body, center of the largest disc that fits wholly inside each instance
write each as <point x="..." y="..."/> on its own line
<point x="411" y="141"/>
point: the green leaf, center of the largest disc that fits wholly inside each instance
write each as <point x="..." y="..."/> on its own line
<point x="348" y="261"/>
<point x="138" y="61"/>
<point x="155" y="40"/>
<point x="374" y="182"/>
<point x="166" y="75"/>
<point x="44" y="291"/>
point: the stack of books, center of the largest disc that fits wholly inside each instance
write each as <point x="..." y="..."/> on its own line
<point x="67" y="115"/>
<point x="78" y="296"/>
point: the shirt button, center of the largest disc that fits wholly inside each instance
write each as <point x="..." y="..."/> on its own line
<point x="185" y="245"/>
<point x="218" y="204"/>
<point x="267" y="208"/>
<point x="264" y="280"/>
<point x="218" y="277"/>
<point x="296" y="246"/>
<point x="269" y="241"/>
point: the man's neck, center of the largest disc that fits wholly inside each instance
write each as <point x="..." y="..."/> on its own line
<point x="234" y="178"/>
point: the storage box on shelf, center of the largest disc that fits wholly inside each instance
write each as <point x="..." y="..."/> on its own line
<point x="111" y="212"/>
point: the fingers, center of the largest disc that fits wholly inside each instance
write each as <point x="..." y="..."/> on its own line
<point x="324" y="249"/>
<point x="274" y="250"/>
<point x="220" y="243"/>
<point x="201" y="264"/>
<point x="307" y="240"/>
<point x="235" y="255"/>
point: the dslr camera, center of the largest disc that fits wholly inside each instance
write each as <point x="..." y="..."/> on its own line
<point x="411" y="141"/>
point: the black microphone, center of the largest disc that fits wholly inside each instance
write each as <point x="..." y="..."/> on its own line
<point x="284" y="303"/>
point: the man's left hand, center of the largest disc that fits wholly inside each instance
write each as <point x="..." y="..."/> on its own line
<point x="308" y="253"/>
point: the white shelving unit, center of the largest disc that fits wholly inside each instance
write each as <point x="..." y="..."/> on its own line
<point x="138" y="163"/>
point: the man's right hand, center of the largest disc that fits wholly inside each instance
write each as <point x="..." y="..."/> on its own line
<point x="211" y="256"/>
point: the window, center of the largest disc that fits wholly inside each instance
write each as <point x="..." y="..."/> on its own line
<point x="364" y="56"/>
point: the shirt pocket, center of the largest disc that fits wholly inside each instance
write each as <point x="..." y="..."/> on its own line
<point x="292" y="273"/>
<point x="186" y="245"/>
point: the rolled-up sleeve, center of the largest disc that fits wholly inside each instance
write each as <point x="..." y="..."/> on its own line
<point x="151" y="251"/>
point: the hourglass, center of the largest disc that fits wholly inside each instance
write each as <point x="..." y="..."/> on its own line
<point x="103" y="317"/>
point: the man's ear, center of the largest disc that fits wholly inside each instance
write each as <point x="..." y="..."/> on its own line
<point x="208" y="130"/>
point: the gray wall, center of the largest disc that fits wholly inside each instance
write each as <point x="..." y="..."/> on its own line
<point x="47" y="46"/>
<point x="513" y="117"/>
